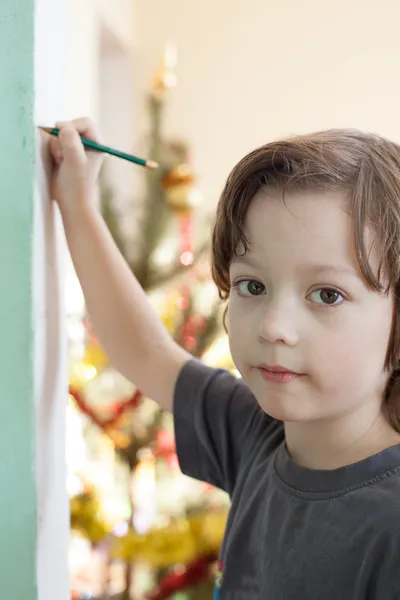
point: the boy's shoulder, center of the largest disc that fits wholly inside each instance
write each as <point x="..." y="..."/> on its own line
<point x="381" y="499"/>
<point x="372" y="515"/>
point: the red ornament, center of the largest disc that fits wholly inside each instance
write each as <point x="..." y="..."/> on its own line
<point x="119" y="408"/>
<point x="165" y="446"/>
<point x="184" y="299"/>
<point x="194" y="573"/>
<point x="187" y="250"/>
<point x="189" y="343"/>
<point x="165" y="439"/>
<point x="173" y="461"/>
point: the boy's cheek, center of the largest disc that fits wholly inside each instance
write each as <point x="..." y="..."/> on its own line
<point x="343" y="367"/>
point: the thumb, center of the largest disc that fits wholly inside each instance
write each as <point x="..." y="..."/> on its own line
<point x="72" y="149"/>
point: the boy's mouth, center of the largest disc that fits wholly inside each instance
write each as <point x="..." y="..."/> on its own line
<point x="277" y="373"/>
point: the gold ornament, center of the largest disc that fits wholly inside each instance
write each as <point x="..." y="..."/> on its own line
<point x="180" y="192"/>
<point x="165" y="77"/>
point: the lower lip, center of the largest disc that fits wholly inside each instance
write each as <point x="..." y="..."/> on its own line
<point x="278" y="376"/>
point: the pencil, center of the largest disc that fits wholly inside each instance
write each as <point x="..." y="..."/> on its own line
<point x="148" y="164"/>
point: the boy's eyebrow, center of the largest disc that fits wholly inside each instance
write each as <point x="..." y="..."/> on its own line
<point x="313" y="268"/>
<point x="338" y="269"/>
<point x="245" y="259"/>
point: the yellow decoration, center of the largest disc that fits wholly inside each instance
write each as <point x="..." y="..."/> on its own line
<point x="95" y="356"/>
<point x="86" y="519"/>
<point x="209" y="530"/>
<point x="80" y="374"/>
<point x="176" y="544"/>
<point x="92" y="363"/>
<point x="171" y="312"/>
<point x="179" y="543"/>
<point x="119" y="438"/>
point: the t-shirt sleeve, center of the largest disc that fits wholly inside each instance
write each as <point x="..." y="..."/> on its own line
<point x="216" y="416"/>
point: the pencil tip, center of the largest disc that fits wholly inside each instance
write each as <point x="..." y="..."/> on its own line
<point x="152" y="165"/>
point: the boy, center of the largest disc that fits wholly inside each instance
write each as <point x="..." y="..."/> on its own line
<point x="306" y="250"/>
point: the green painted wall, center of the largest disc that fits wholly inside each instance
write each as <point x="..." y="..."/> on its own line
<point x="17" y="411"/>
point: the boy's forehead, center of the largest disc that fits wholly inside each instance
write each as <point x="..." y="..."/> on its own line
<point x="310" y="215"/>
<point x="303" y="227"/>
<point x="304" y="209"/>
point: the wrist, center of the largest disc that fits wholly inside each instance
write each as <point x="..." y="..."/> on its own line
<point x="78" y="209"/>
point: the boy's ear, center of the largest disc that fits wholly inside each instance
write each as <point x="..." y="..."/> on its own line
<point x="225" y="317"/>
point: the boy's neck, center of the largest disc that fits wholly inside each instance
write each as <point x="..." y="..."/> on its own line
<point x="336" y="443"/>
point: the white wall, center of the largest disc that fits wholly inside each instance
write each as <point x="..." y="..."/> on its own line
<point x="101" y="78"/>
<point x="51" y="42"/>
<point x="254" y="70"/>
<point x="86" y="21"/>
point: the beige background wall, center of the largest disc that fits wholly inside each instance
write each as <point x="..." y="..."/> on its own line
<point x="253" y="70"/>
<point x="248" y="70"/>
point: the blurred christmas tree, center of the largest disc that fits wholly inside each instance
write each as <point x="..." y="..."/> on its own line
<point x="168" y="255"/>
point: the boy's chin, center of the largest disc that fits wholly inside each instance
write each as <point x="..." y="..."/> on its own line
<point x="287" y="410"/>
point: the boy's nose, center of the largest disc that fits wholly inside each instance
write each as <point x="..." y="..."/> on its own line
<point x="277" y="327"/>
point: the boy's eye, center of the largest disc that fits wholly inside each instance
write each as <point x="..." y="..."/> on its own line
<point x="326" y="296"/>
<point x="250" y="287"/>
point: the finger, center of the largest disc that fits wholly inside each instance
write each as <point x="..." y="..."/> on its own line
<point x="72" y="148"/>
<point x="84" y="126"/>
<point x="55" y="149"/>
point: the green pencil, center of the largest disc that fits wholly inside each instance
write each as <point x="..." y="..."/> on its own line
<point x="148" y="164"/>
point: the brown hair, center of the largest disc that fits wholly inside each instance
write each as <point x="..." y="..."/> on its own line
<point x="367" y="168"/>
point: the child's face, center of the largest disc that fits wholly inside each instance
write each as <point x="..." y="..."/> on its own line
<point x="302" y="304"/>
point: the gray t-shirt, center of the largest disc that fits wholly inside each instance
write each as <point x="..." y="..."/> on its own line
<point x="292" y="533"/>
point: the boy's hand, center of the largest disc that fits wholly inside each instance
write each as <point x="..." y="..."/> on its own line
<point x="75" y="171"/>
